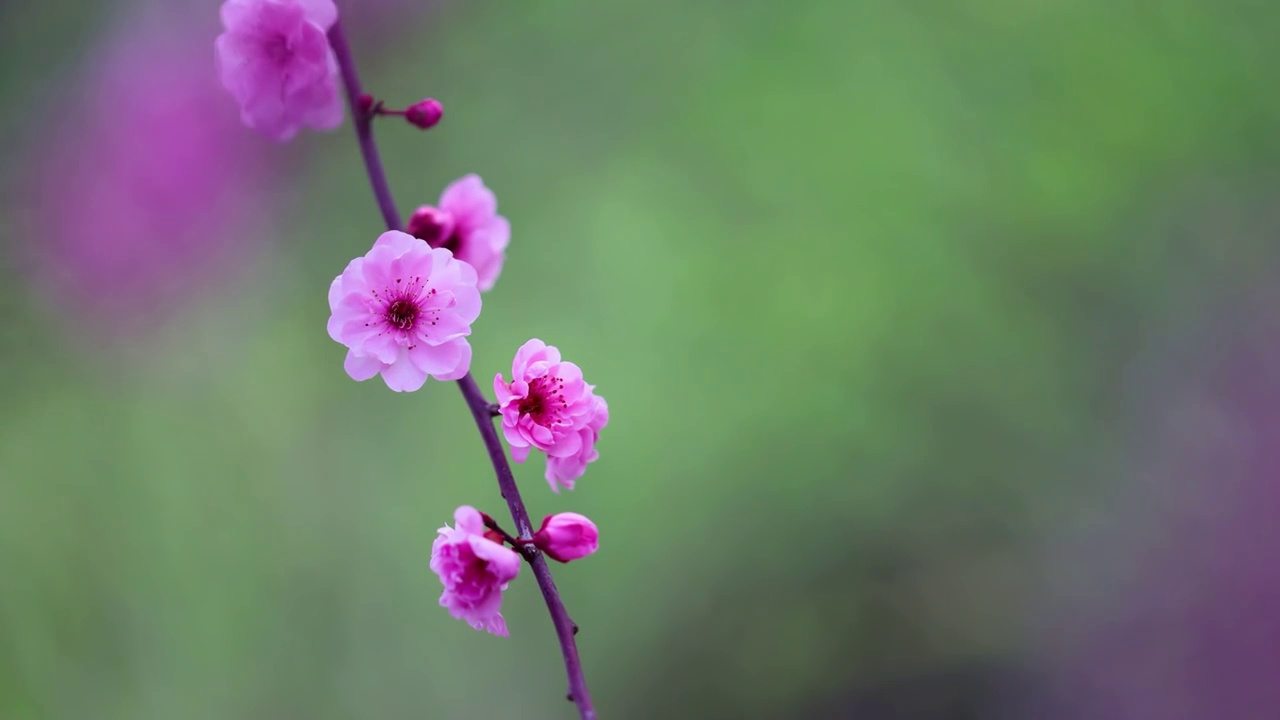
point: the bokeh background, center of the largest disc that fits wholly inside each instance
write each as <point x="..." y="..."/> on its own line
<point x="941" y="338"/>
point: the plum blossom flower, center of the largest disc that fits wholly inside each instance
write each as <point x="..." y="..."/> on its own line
<point x="475" y="571"/>
<point x="468" y="224"/>
<point x="404" y="310"/>
<point x="567" y="536"/>
<point x="564" y="470"/>
<point x="548" y="406"/>
<point x="274" y="58"/>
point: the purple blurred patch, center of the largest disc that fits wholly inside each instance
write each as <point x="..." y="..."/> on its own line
<point x="146" y="186"/>
<point x="146" y="189"/>
<point x="1169" y="605"/>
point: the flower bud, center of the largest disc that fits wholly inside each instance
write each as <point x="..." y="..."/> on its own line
<point x="424" y="114"/>
<point x="567" y="536"/>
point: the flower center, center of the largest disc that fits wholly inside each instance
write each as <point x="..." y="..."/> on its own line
<point x="531" y="405"/>
<point x="277" y="48"/>
<point x="429" y="228"/>
<point x="450" y="243"/>
<point x="402" y="314"/>
<point x="544" y="401"/>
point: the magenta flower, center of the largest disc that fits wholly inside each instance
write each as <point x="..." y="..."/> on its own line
<point x="565" y="469"/>
<point x="404" y="310"/>
<point x="547" y="405"/>
<point x="567" y="536"/>
<point x="468" y="224"/>
<point x="275" y="59"/>
<point x="475" y="571"/>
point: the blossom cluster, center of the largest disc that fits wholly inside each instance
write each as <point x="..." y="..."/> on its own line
<point x="405" y="308"/>
<point x="476" y="567"/>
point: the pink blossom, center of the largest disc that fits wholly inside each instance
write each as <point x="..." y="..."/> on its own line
<point x="467" y="223"/>
<point x="475" y="571"/>
<point x="567" y="536"/>
<point x="275" y="59"/>
<point x="564" y="470"/>
<point x="547" y="405"/>
<point x="404" y="310"/>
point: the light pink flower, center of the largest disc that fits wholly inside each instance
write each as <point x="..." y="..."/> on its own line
<point x="475" y="571"/>
<point x="567" y="536"/>
<point x="275" y="59"/>
<point x="563" y="471"/>
<point x="547" y="405"/>
<point x="404" y="310"/>
<point x="467" y="223"/>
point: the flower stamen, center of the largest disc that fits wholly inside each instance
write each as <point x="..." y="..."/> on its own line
<point x="402" y="313"/>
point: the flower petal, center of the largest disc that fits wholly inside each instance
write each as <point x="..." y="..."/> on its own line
<point x="447" y="361"/>
<point x="567" y="445"/>
<point x="360" y="367"/>
<point x="321" y="12"/>
<point x="468" y="520"/>
<point x="399" y="242"/>
<point x="469" y="200"/>
<point x="402" y="375"/>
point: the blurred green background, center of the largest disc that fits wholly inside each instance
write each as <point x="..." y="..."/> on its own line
<point x="885" y="298"/>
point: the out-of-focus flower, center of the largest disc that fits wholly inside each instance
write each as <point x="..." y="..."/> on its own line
<point x="548" y="406"/>
<point x="467" y="223"/>
<point x="275" y="59"/>
<point x="404" y="310"/>
<point x="133" y="214"/>
<point x="475" y="571"/>
<point x="567" y="536"/>
<point x="1167" y="605"/>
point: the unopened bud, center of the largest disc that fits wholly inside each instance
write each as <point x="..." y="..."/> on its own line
<point x="567" y="536"/>
<point x="424" y="114"/>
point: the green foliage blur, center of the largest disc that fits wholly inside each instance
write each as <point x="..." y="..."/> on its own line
<point x="862" y="282"/>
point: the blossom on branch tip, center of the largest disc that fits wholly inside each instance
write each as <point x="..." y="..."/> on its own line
<point x="468" y="224"/>
<point x="274" y="58"/>
<point x="475" y="571"/>
<point x="567" y="536"/>
<point x="548" y="406"/>
<point x="404" y="310"/>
